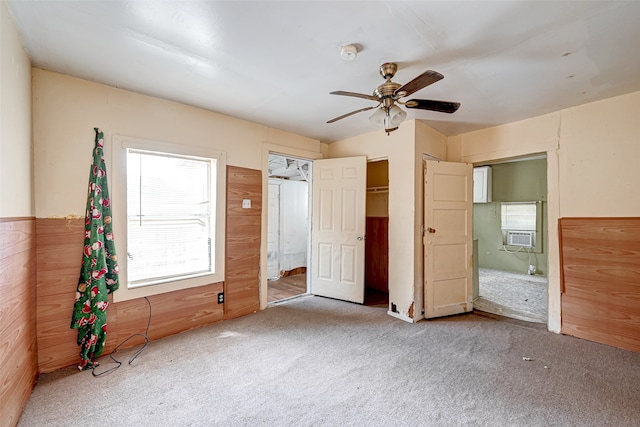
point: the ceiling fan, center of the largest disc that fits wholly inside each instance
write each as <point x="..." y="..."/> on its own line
<point x="388" y="94"/>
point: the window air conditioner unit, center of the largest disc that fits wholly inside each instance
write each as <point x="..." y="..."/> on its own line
<point x="520" y="238"/>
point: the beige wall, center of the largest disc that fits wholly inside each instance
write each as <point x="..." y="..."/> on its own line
<point x="592" y="153"/>
<point x="599" y="158"/>
<point x="66" y="110"/>
<point x="535" y="135"/>
<point x="16" y="184"/>
<point x="403" y="149"/>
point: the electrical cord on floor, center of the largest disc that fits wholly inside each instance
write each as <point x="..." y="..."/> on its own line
<point x="135" y="355"/>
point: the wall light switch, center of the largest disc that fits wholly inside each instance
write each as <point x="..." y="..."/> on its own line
<point x="246" y="203"/>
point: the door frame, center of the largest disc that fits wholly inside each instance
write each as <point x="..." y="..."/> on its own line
<point x="545" y="237"/>
<point x="281" y="150"/>
<point x="549" y="147"/>
<point x="277" y="183"/>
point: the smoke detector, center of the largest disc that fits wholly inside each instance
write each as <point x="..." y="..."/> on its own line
<point x="349" y="52"/>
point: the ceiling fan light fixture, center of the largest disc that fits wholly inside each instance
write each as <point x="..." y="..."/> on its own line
<point x="378" y="117"/>
<point x="388" y="113"/>
<point x="389" y="130"/>
<point x="389" y="118"/>
<point x="389" y="125"/>
<point x="396" y="115"/>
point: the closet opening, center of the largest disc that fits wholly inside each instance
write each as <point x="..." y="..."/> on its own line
<point x="376" y="268"/>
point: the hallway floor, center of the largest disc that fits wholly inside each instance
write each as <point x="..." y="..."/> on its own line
<point x="519" y="296"/>
<point x="286" y="287"/>
<point x="291" y="286"/>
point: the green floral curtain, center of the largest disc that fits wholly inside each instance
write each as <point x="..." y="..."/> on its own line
<point x="99" y="272"/>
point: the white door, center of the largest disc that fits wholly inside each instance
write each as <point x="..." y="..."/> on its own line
<point x="448" y="238"/>
<point x="338" y="227"/>
<point x="273" y="231"/>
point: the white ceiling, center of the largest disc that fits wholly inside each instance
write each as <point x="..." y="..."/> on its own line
<point x="275" y="62"/>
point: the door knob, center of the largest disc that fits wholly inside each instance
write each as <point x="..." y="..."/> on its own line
<point x="431" y="230"/>
<point x="360" y="238"/>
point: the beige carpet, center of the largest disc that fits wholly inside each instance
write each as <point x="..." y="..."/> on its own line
<point x="320" y="362"/>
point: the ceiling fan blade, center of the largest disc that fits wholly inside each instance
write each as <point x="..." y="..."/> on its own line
<point x="428" y="104"/>
<point x="351" y="113"/>
<point x="422" y="81"/>
<point x="357" y="95"/>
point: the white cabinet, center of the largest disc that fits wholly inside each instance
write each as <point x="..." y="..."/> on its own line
<point x="482" y="184"/>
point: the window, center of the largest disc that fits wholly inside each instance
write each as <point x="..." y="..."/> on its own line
<point x="520" y="223"/>
<point x="169" y="206"/>
<point x="169" y="222"/>
<point x="519" y="216"/>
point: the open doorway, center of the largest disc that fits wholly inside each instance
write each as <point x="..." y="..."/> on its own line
<point x="287" y="227"/>
<point x="510" y="230"/>
<point x="288" y="230"/>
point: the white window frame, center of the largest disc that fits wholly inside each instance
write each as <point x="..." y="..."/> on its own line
<point x="119" y="211"/>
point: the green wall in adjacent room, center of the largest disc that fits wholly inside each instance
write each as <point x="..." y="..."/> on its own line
<point x="521" y="181"/>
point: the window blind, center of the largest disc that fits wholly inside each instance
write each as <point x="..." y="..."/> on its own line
<point x="519" y="216"/>
<point x="170" y="202"/>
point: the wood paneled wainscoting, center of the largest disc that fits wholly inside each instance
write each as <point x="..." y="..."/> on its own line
<point x="376" y="249"/>
<point x="600" y="268"/>
<point x="18" y="351"/>
<point x="243" y="242"/>
<point x="59" y="254"/>
<point x="59" y="249"/>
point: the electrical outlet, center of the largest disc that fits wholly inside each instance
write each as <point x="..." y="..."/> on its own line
<point x="246" y="203"/>
<point x="221" y="298"/>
